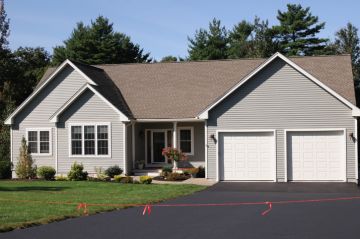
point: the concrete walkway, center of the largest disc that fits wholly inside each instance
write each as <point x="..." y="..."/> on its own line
<point x="195" y="181"/>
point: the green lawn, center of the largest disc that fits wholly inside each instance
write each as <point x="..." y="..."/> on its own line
<point x="17" y="211"/>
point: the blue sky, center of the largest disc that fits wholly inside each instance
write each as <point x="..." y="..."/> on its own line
<point x="161" y="27"/>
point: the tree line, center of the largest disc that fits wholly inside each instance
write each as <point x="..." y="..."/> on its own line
<point x="296" y="33"/>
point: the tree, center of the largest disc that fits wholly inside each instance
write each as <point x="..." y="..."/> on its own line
<point x="347" y="42"/>
<point x="240" y="43"/>
<point x="209" y="44"/>
<point x="25" y="167"/>
<point x="297" y="31"/>
<point x="98" y="43"/>
<point x="169" y="59"/>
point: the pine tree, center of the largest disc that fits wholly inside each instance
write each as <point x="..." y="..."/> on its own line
<point x="347" y="42"/>
<point x="297" y="31"/>
<point x="209" y="44"/>
<point x="25" y="167"/>
<point x="262" y="42"/>
<point x="240" y="43"/>
<point x="99" y="44"/>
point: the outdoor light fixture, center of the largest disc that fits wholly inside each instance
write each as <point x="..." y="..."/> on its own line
<point x="352" y="137"/>
<point x="212" y="136"/>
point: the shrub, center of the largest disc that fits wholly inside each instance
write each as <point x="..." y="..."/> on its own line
<point x="117" y="178"/>
<point x="100" y="175"/>
<point x="192" y="171"/>
<point x="46" y="172"/>
<point x="127" y="179"/>
<point x="201" y="172"/>
<point x="5" y="169"/>
<point x="145" y="179"/>
<point x="61" y="178"/>
<point x="176" y="177"/>
<point x="166" y="170"/>
<point x="113" y="170"/>
<point x="25" y="167"/>
<point x="76" y="172"/>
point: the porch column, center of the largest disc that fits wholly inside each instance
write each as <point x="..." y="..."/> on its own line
<point x="133" y="143"/>
<point x="174" y="134"/>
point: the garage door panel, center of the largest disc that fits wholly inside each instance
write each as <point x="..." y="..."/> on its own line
<point x="246" y="156"/>
<point x="316" y="155"/>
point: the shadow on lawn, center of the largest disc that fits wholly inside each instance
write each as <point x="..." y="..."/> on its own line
<point x="32" y="188"/>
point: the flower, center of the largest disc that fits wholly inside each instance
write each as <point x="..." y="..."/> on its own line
<point x="173" y="154"/>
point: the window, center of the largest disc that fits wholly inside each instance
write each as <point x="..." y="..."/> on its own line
<point x="90" y="140"/>
<point x="186" y="140"/>
<point x="39" y="141"/>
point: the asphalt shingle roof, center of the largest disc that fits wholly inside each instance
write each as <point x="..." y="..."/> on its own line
<point x="183" y="90"/>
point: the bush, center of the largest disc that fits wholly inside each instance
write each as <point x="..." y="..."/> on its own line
<point x="176" y="177"/>
<point x="5" y="169"/>
<point x="145" y="179"/>
<point x="166" y="170"/>
<point x="61" y="178"/>
<point x="192" y="171"/>
<point x="123" y="179"/>
<point x="100" y="175"/>
<point x="46" y="172"/>
<point x="25" y="167"/>
<point x="117" y="178"/>
<point x="113" y="170"/>
<point x="201" y="172"/>
<point x="76" y="172"/>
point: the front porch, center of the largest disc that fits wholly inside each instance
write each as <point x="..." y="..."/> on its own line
<point x="146" y="140"/>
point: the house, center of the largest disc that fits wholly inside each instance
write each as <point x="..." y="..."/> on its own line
<point x="277" y="119"/>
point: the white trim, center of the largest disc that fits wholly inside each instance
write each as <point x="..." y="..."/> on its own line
<point x="9" y="120"/>
<point x="206" y="148"/>
<point x="56" y="149"/>
<point x="246" y="131"/>
<point x="95" y="124"/>
<point x="133" y="143"/>
<point x="174" y="135"/>
<point x="170" y="120"/>
<point x="38" y="129"/>
<point x="124" y="148"/>
<point x="191" y="128"/>
<point x="11" y="144"/>
<point x="313" y="130"/>
<point x="205" y="113"/>
<point x="356" y="149"/>
<point x="55" y="117"/>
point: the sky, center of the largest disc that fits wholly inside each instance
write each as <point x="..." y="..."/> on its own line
<point x="161" y="27"/>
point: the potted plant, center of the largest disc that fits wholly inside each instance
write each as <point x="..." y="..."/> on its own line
<point x="141" y="165"/>
<point x="174" y="155"/>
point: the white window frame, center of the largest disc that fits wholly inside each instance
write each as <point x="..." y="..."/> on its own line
<point x="83" y="155"/>
<point x="191" y="128"/>
<point x="38" y="140"/>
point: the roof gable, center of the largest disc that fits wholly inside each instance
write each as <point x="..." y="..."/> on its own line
<point x="356" y="111"/>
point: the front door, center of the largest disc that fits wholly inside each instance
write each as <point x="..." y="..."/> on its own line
<point x="158" y="143"/>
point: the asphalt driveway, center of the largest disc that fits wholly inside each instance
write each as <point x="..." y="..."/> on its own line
<point x="332" y="219"/>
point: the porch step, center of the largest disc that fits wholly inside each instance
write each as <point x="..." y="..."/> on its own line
<point x="147" y="172"/>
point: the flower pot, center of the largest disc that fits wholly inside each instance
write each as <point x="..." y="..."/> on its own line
<point x="140" y="166"/>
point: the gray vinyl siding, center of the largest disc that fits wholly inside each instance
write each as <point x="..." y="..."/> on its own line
<point x="199" y="141"/>
<point x="37" y="113"/>
<point x="89" y="108"/>
<point x="279" y="98"/>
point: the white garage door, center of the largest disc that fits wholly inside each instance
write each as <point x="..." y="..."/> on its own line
<point x="247" y="156"/>
<point x="316" y="155"/>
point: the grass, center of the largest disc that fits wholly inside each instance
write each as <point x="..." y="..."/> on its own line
<point x="18" y="209"/>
